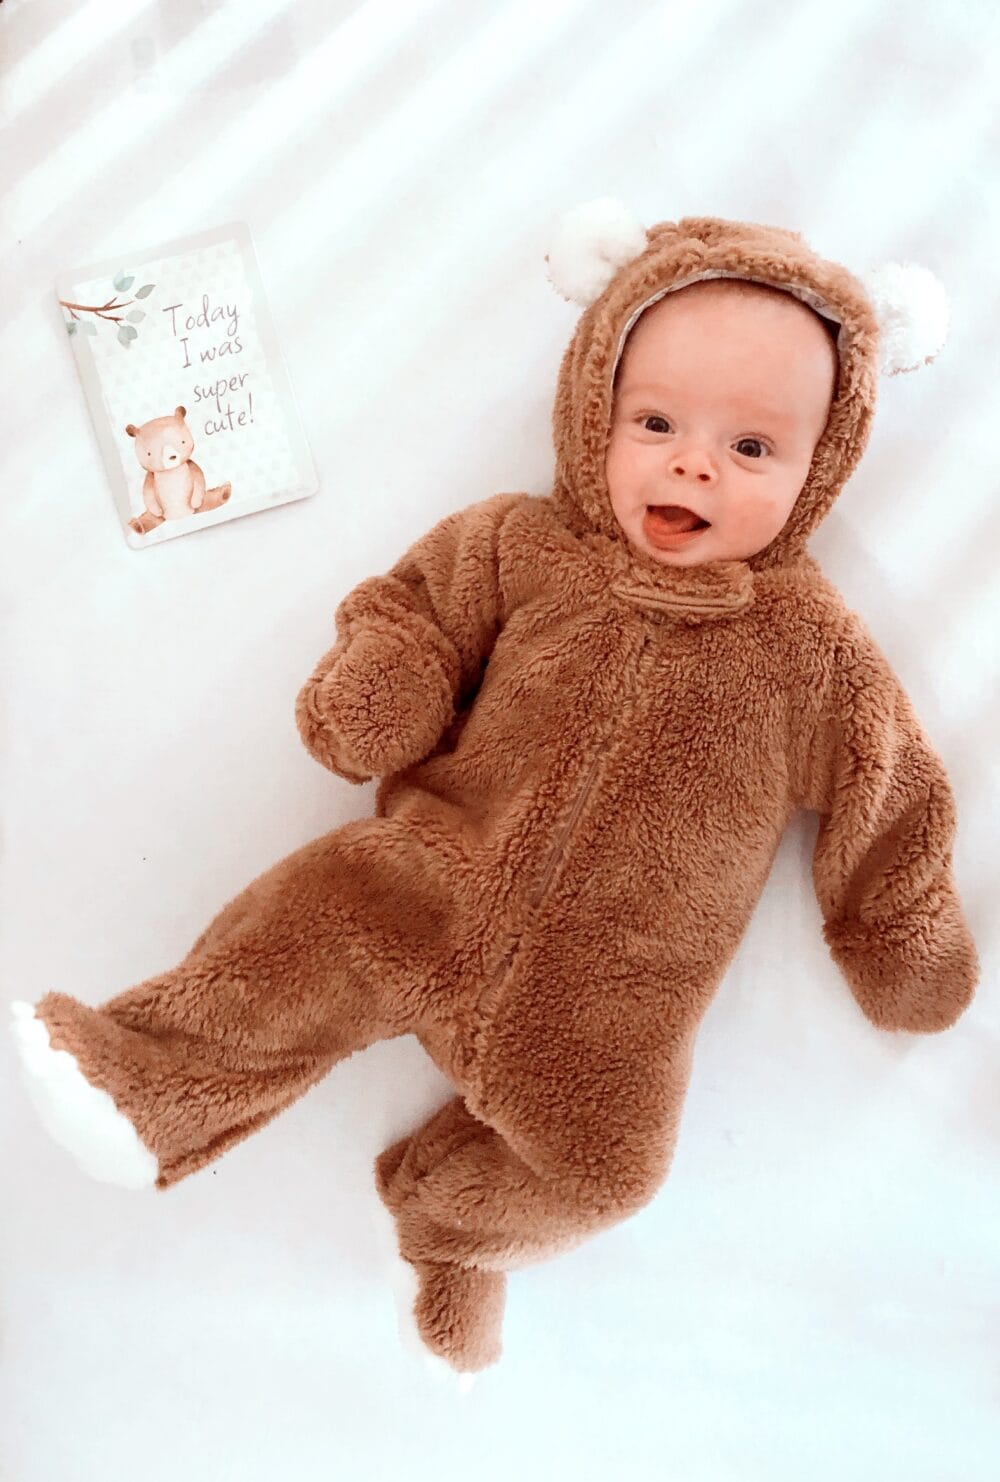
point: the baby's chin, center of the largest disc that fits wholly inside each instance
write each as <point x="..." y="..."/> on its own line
<point x="676" y="558"/>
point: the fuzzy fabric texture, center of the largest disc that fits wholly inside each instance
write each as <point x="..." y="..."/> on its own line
<point x="587" y="760"/>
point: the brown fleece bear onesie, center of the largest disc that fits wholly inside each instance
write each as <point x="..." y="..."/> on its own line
<point x="587" y="761"/>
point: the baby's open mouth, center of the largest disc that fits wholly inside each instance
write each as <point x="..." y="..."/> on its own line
<point x="676" y="519"/>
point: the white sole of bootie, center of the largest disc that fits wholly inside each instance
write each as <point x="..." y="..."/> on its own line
<point x="81" y="1118"/>
<point x="405" y="1286"/>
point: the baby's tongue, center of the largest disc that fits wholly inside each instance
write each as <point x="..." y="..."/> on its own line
<point x="674" y="517"/>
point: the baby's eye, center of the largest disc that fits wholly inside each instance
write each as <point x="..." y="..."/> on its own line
<point x="664" y="425"/>
<point x="754" y="442"/>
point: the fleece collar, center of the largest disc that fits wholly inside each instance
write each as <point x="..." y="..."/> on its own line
<point x="695" y="594"/>
<point x="680" y="253"/>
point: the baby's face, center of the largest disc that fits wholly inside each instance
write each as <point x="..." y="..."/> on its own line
<point x="721" y="397"/>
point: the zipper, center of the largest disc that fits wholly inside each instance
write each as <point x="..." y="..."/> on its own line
<point x="490" y="994"/>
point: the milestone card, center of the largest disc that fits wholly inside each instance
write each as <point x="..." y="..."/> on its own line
<point x="186" y="383"/>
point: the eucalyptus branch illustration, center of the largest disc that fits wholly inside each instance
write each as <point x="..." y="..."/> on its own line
<point x="107" y="311"/>
<point x="101" y="310"/>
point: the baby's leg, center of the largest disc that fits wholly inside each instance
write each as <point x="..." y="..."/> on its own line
<point x="472" y="1202"/>
<point x="298" y="972"/>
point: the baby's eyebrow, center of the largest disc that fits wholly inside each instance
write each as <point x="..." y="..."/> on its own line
<point x="774" y="415"/>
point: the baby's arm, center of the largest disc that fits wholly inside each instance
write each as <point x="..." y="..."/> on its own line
<point x="409" y="644"/>
<point x="882" y="866"/>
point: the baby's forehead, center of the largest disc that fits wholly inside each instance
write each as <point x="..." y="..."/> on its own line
<point x="752" y="312"/>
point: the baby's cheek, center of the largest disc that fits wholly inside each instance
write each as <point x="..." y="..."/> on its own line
<point x="759" y="517"/>
<point x="617" y="472"/>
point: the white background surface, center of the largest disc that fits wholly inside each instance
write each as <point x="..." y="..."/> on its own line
<point x="815" y="1292"/>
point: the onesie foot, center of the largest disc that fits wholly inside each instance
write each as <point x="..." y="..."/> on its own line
<point x="405" y="1288"/>
<point x="459" y="1313"/>
<point x="458" y="1310"/>
<point x="80" y="1117"/>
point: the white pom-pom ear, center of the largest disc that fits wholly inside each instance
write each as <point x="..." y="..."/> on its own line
<point x="590" y="244"/>
<point x="912" y="310"/>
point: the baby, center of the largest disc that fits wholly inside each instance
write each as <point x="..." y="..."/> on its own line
<point x="592" y="715"/>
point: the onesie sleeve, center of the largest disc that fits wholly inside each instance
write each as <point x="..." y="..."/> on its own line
<point x="882" y="865"/>
<point x="411" y="643"/>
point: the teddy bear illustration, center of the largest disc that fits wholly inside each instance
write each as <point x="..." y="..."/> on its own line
<point x="174" y="486"/>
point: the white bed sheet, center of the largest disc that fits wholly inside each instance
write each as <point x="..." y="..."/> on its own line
<point x="816" y="1290"/>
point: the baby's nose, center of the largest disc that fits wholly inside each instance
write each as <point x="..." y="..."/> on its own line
<point x="693" y="463"/>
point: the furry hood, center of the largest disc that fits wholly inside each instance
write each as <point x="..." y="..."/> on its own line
<point x="667" y="257"/>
